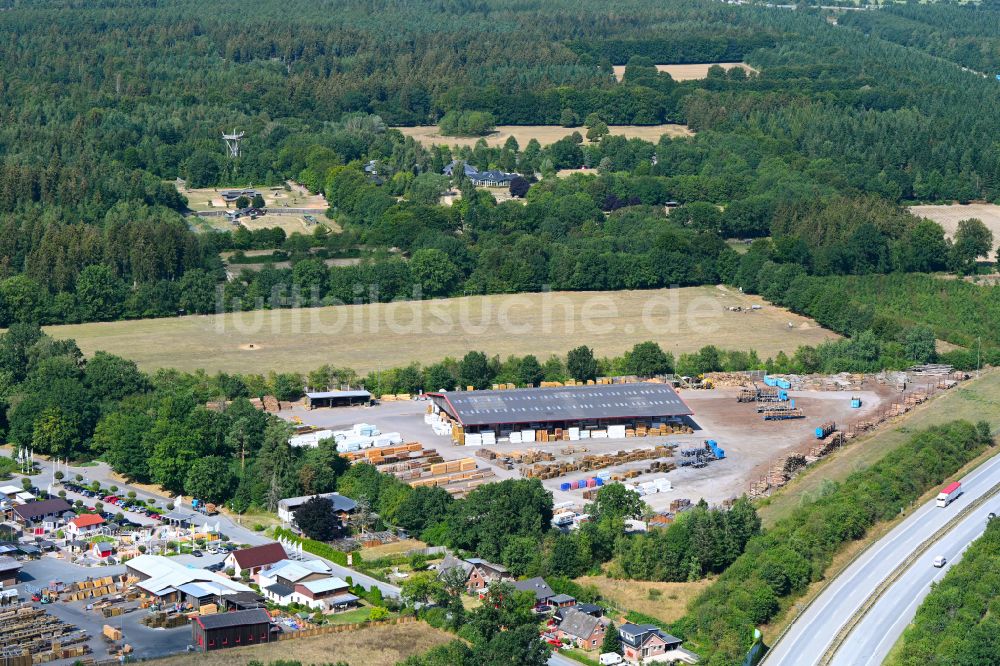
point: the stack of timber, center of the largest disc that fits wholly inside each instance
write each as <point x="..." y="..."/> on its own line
<point x="25" y="630"/>
<point x="592" y="462"/>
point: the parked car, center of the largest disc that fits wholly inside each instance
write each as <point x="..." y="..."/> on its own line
<point x="218" y="566"/>
<point x="197" y="553"/>
<point x="940" y="561"/>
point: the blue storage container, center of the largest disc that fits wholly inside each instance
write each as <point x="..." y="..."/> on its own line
<point x="770" y="381"/>
<point x="600" y="481"/>
<point x="783" y="383"/>
<point x="564" y="486"/>
<point x="855" y="403"/>
<point x="819" y="433"/>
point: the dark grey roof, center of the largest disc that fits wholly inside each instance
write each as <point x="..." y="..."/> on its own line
<point x="537" y="585"/>
<point x="478" y="561"/>
<point x="640" y="632"/>
<point x="279" y="589"/>
<point x="452" y="562"/>
<point x="589" y="609"/>
<point x="562" y="599"/>
<point x="466" y="167"/>
<point x="562" y="403"/>
<point x="33" y="510"/>
<point x="492" y="175"/>
<point x="9" y="564"/>
<point x="578" y="624"/>
<point x="234" y="619"/>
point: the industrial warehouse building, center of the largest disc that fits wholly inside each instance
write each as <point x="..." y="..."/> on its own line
<point x="317" y="399"/>
<point x="593" y="406"/>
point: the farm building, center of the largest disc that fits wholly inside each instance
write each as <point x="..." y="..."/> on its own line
<point x="225" y="630"/>
<point x="593" y="406"/>
<point x="318" y="399"/>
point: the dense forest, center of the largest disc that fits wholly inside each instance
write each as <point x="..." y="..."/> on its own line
<point x="106" y="104"/>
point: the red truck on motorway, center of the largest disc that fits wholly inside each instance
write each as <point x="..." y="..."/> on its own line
<point x="949" y="493"/>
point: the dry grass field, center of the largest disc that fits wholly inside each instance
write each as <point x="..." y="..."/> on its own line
<point x="375" y="646"/>
<point x="664" y="601"/>
<point x="949" y="216"/>
<point x="546" y="134"/>
<point x="369" y="337"/>
<point x="289" y="223"/>
<point x="688" y="72"/>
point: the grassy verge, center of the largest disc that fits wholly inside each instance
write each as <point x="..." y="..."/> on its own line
<point x="975" y="400"/>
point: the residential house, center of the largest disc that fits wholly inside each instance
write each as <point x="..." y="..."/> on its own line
<point x="492" y="178"/>
<point x="254" y="559"/>
<point x="10" y="492"/>
<point x="225" y="630"/>
<point x="278" y="593"/>
<point x="102" y="550"/>
<point x="84" y="525"/>
<point x="468" y="169"/>
<point x="9" y="569"/>
<point x="43" y="516"/>
<point x="479" y="574"/>
<point x="343" y="506"/>
<point x="325" y="594"/>
<point x="289" y="572"/>
<point x="642" y="641"/>
<point x="583" y="630"/>
<point x="543" y="593"/>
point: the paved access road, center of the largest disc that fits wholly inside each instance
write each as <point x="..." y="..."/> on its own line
<point x="809" y="637"/>
<point x="233" y="529"/>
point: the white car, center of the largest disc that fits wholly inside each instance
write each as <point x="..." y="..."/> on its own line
<point x="610" y="658"/>
<point x="940" y="561"/>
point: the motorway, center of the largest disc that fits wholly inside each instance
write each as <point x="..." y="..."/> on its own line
<point x="812" y="634"/>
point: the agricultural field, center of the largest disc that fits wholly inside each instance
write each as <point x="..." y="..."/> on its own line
<point x="689" y="72"/>
<point x="368" y="337"/>
<point x="664" y="601"/>
<point x="949" y="216"/>
<point x="373" y="646"/>
<point x="546" y="134"/>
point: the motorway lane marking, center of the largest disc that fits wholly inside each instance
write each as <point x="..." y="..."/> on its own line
<point x="905" y="615"/>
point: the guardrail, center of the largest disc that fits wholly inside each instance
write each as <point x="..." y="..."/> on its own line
<point x="888" y="581"/>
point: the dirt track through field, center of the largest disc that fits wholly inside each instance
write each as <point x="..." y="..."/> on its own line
<point x="370" y="337"/>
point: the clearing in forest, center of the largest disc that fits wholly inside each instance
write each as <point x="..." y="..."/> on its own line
<point x="949" y="216"/>
<point x="546" y="134"/>
<point x="373" y="336"/>
<point x="689" y="72"/>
